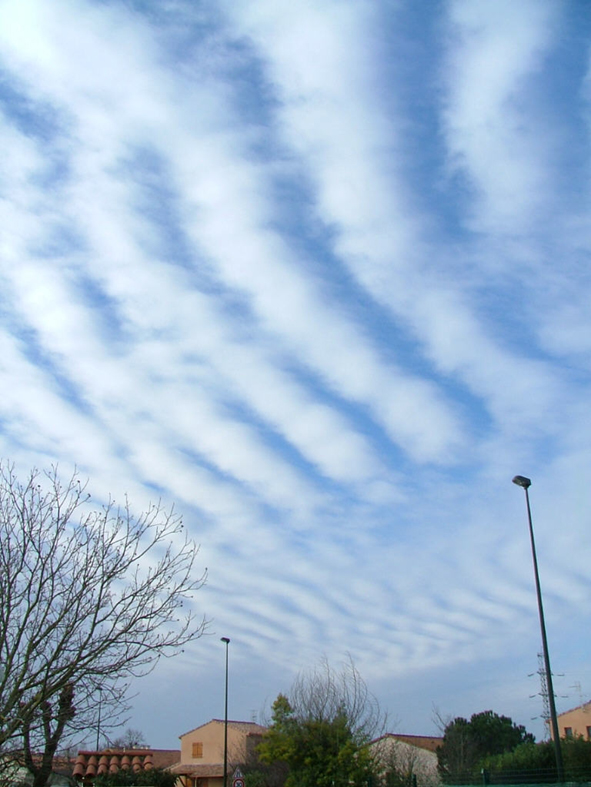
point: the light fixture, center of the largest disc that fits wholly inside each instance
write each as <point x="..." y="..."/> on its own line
<point x="525" y="483"/>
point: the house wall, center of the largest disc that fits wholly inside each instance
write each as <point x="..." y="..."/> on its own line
<point x="407" y="760"/>
<point x="205" y="745"/>
<point x="576" y="722"/>
<point x="211" y="736"/>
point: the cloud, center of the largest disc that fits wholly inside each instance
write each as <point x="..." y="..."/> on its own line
<point x="250" y="265"/>
<point x="362" y="192"/>
<point x="497" y="52"/>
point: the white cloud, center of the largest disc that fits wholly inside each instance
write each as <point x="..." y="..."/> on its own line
<point x="353" y="153"/>
<point x="223" y="286"/>
<point x="496" y="50"/>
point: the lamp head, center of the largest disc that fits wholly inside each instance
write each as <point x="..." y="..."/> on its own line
<point x="225" y="639"/>
<point x="521" y="480"/>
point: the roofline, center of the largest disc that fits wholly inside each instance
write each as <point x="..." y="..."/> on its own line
<point x="399" y="735"/>
<point x="221" y="721"/>
<point x="123" y="750"/>
<point x="577" y="707"/>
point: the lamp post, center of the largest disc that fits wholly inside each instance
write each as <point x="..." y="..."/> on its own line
<point x="525" y="483"/>
<point x="226" y="640"/>
<point x="98" y="726"/>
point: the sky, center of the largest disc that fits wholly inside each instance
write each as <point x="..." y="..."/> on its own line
<point x="317" y="274"/>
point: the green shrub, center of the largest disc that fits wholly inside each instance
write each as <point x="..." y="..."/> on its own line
<point x="155" y="777"/>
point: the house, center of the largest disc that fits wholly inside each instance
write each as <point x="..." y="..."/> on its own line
<point x="410" y="757"/>
<point x="202" y="751"/>
<point x="575" y="722"/>
<point x="14" y="772"/>
<point x="91" y="763"/>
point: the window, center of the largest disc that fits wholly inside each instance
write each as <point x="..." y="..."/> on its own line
<point x="197" y="750"/>
<point x="568" y="732"/>
<point x="589" y="733"/>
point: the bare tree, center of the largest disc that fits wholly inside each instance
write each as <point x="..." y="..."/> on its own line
<point x="89" y="598"/>
<point x="324" y="694"/>
<point x="322" y="731"/>
<point x="54" y="718"/>
<point x="129" y="739"/>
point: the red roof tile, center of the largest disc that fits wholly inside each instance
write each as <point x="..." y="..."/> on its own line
<point x="91" y="763"/>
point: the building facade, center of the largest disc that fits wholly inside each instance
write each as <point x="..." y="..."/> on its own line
<point x="412" y="758"/>
<point x="576" y="722"/>
<point x="202" y="752"/>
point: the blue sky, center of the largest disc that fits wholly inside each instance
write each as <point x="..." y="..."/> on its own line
<point x="318" y="274"/>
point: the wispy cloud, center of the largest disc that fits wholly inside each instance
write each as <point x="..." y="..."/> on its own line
<point x="324" y="295"/>
<point x="496" y="57"/>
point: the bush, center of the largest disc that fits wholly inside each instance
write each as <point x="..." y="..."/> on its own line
<point x="535" y="763"/>
<point x="155" y="777"/>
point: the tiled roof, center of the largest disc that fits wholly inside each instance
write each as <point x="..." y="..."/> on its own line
<point x="91" y="763"/>
<point x="585" y="707"/>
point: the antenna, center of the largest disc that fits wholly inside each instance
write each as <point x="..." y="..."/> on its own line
<point x="543" y="693"/>
<point x="577" y="687"/>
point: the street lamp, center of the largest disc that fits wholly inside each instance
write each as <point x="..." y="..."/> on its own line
<point x="227" y="642"/>
<point x="525" y="483"/>
<point x="98" y="726"/>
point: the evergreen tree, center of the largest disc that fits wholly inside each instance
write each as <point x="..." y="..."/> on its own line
<point x="467" y="743"/>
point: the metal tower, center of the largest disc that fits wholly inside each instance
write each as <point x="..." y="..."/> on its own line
<point x="544" y="695"/>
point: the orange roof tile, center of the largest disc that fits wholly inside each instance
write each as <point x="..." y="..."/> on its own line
<point x="90" y="763"/>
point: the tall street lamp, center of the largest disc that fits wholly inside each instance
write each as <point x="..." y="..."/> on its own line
<point x="525" y="483"/>
<point x="227" y="642"/>
<point x="98" y="726"/>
